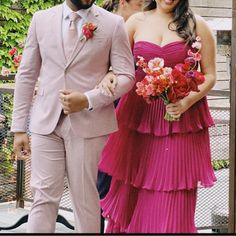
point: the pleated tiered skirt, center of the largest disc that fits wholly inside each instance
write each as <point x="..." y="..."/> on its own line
<point x="155" y="178"/>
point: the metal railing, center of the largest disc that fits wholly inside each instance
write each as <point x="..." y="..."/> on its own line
<point x="212" y="206"/>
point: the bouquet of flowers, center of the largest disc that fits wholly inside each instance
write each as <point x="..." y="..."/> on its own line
<point x="170" y="84"/>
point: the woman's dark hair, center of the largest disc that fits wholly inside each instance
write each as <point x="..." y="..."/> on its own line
<point x="111" y="5"/>
<point x="184" y="20"/>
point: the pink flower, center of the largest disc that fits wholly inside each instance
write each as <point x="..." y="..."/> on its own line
<point x="198" y="39"/>
<point x="13" y="51"/>
<point x="197" y="56"/>
<point x="141" y="62"/>
<point x="5" y="71"/>
<point x="197" y="45"/>
<point x="190" y="53"/>
<point x="150" y="90"/>
<point x="179" y="67"/>
<point x="140" y="88"/>
<point x="156" y="64"/>
<point x="167" y="71"/>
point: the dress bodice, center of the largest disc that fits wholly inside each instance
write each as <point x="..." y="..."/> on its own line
<point x="172" y="53"/>
<point x="135" y="113"/>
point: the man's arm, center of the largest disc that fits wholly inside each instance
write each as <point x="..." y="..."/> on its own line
<point x="26" y="79"/>
<point x="122" y="64"/>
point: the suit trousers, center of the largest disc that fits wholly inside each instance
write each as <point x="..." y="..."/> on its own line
<point x="61" y="153"/>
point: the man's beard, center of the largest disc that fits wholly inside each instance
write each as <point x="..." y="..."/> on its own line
<point x="80" y="5"/>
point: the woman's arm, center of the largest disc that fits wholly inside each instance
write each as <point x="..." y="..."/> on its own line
<point x="208" y="68"/>
<point x="108" y="84"/>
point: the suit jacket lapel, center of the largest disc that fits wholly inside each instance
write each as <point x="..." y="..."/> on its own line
<point x="57" y="18"/>
<point x="92" y="18"/>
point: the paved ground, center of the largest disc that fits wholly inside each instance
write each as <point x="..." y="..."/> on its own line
<point x="211" y="202"/>
<point x="9" y="215"/>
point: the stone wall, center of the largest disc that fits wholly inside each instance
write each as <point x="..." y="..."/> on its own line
<point x="211" y="9"/>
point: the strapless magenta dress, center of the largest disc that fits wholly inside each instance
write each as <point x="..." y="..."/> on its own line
<point x="156" y="165"/>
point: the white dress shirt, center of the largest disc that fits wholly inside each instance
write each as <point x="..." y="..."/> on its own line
<point x="66" y="21"/>
<point x="83" y="13"/>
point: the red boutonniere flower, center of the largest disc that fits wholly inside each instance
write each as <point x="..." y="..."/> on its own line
<point x="88" y="31"/>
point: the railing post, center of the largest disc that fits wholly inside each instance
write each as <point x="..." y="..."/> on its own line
<point x="20" y="184"/>
<point x="232" y="179"/>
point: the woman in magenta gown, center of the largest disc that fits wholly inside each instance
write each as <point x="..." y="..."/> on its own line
<point x="156" y="165"/>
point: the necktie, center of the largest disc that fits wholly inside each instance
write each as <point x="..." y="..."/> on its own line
<point x="71" y="36"/>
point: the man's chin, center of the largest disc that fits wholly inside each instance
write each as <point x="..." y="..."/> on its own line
<point x="83" y="4"/>
<point x="86" y="6"/>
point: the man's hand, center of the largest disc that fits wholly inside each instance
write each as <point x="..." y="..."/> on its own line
<point x="21" y="146"/>
<point x="73" y="101"/>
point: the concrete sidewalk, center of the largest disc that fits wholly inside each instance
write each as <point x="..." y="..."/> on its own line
<point x="9" y="215"/>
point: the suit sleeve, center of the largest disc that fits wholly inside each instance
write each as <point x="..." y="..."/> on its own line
<point x="26" y="79"/>
<point x="122" y="62"/>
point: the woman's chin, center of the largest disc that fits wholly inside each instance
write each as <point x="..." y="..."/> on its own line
<point x="169" y="2"/>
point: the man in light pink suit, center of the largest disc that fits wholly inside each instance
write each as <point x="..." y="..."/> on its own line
<point x="70" y="119"/>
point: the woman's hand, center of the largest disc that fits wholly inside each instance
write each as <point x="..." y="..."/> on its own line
<point x="178" y="108"/>
<point x="108" y="84"/>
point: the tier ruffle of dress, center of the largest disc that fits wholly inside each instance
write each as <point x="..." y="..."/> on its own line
<point x="161" y="163"/>
<point x="134" y="113"/>
<point x="132" y="210"/>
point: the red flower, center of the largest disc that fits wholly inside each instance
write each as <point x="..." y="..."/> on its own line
<point x="17" y="60"/>
<point x="199" y="77"/>
<point x="179" y="88"/>
<point x="88" y="30"/>
<point x="13" y="51"/>
<point x="183" y="68"/>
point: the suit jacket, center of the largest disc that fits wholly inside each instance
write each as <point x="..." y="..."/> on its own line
<point x="44" y="57"/>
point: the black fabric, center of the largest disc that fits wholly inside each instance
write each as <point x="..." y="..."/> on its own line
<point x="103" y="184"/>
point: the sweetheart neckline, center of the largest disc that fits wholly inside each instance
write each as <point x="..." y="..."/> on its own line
<point x="166" y="45"/>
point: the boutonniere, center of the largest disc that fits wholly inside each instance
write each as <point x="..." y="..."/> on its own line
<point x="88" y="31"/>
